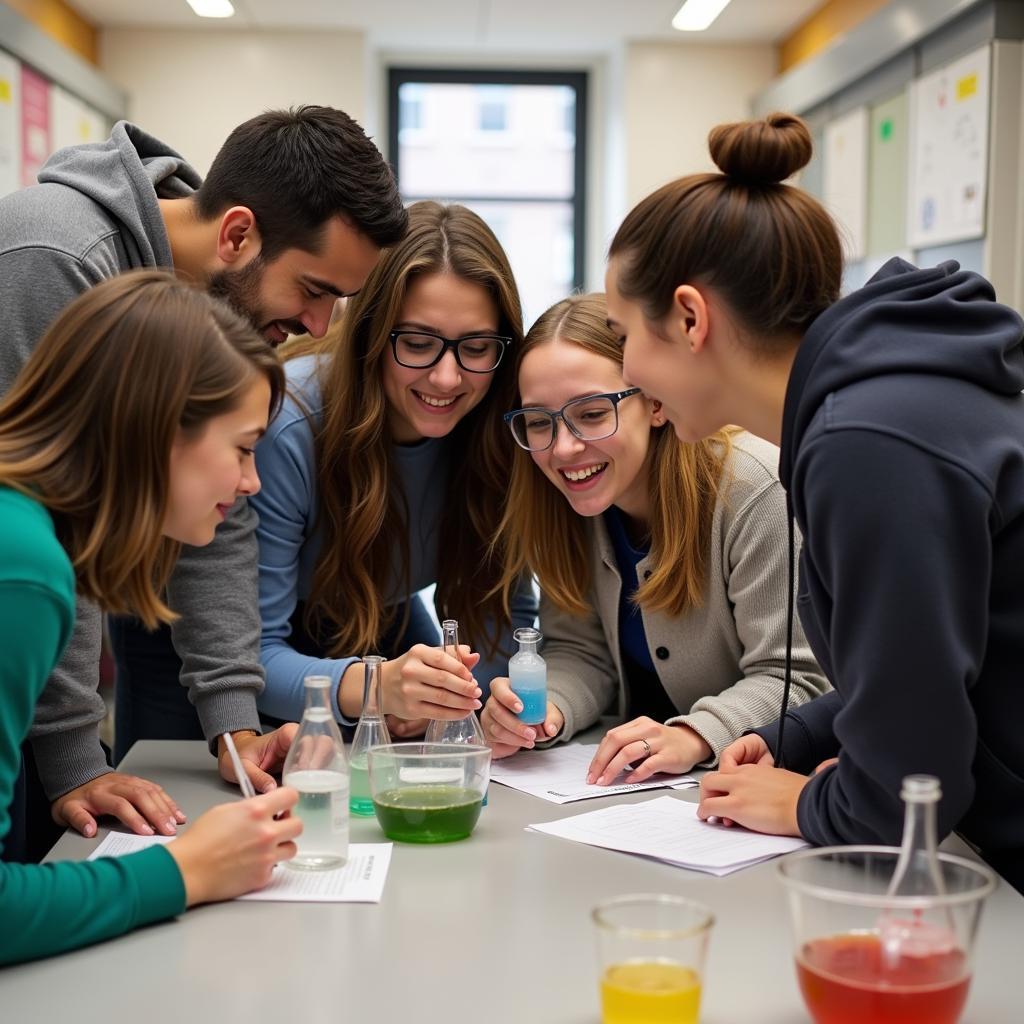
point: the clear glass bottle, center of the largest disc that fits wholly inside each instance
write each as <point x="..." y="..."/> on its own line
<point x="528" y="677"/>
<point x="372" y="731"/>
<point x="316" y="767"/>
<point x="459" y="730"/>
<point x="919" y="933"/>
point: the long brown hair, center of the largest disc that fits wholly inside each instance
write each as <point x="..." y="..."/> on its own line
<point x="361" y="517"/>
<point x="770" y="249"/>
<point x="540" y="533"/>
<point x="89" y="425"/>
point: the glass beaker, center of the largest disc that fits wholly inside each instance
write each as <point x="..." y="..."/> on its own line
<point x="528" y="677"/>
<point x="371" y="731"/>
<point x="651" y="951"/>
<point x="316" y="767"/>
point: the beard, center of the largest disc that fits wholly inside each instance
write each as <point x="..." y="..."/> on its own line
<point x="240" y="289"/>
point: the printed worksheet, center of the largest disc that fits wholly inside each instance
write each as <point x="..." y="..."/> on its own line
<point x="361" y="880"/>
<point x="669" y="830"/>
<point x="559" y="775"/>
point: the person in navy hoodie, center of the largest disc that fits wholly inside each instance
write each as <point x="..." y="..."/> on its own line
<point x="899" y="413"/>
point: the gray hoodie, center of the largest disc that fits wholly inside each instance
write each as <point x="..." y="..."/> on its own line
<point x="95" y="215"/>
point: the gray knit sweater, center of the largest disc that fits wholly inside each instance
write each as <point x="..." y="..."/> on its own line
<point x="723" y="663"/>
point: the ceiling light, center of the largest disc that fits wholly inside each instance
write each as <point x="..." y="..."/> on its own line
<point x="212" y="8"/>
<point x="696" y="15"/>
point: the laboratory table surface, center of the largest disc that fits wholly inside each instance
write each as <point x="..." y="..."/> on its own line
<point x="495" y="928"/>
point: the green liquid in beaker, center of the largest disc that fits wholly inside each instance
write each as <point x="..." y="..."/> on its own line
<point x="359" y="801"/>
<point x="428" y="814"/>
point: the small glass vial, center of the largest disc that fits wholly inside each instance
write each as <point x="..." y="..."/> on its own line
<point x="316" y="767"/>
<point x="528" y="677"/>
<point x="372" y="731"/>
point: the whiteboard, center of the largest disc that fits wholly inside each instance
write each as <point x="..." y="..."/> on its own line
<point x="949" y="112"/>
<point x="72" y="122"/>
<point x="10" y="124"/>
<point x="845" y="189"/>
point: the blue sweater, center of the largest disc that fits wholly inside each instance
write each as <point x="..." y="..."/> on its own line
<point x="289" y="544"/>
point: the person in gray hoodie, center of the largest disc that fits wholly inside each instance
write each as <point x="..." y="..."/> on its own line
<point x="292" y="215"/>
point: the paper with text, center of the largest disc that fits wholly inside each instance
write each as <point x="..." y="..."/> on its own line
<point x="560" y="775"/>
<point x="669" y="830"/>
<point x="361" y="880"/>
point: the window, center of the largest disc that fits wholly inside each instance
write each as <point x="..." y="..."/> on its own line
<point x="511" y="146"/>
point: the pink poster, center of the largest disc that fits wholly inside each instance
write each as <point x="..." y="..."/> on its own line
<point x="35" y="123"/>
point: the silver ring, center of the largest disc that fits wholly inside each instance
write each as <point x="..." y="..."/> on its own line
<point x="647" y="748"/>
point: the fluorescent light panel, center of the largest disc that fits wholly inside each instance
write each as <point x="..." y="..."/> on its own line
<point x="697" y="15"/>
<point x="212" y="8"/>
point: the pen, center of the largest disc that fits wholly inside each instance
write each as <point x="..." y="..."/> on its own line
<point x="243" y="779"/>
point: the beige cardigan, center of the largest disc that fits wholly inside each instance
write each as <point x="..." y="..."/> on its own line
<point x="723" y="664"/>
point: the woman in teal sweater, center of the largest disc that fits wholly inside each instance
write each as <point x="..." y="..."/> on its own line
<point x="129" y="432"/>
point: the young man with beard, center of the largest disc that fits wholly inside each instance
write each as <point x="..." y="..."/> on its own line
<point x="292" y="215"/>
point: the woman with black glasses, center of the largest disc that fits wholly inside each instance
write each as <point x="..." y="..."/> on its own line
<point x="385" y="473"/>
<point x="662" y="565"/>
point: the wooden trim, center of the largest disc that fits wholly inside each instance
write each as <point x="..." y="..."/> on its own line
<point x="63" y="24"/>
<point x="830" y="20"/>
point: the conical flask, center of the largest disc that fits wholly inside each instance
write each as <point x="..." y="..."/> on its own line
<point x="372" y="731"/>
<point x="460" y="730"/>
<point x="316" y="767"/>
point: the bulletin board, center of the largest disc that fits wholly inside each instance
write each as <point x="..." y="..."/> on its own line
<point x="10" y="124"/>
<point x="846" y="179"/>
<point x="949" y="115"/>
<point x="888" y="153"/>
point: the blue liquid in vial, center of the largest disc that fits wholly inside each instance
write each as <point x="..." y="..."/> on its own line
<point x="530" y="684"/>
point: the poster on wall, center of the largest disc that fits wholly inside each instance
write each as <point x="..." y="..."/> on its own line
<point x="949" y="111"/>
<point x="35" y="124"/>
<point x="72" y="122"/>
<point x="845" y="188"/>
<point x="10" y="127"/>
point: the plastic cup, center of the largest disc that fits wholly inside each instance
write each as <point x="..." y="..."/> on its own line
<point x="862" y="955"/>
<point x="651" y="951"/>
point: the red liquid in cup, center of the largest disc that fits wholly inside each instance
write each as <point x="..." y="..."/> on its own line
<point x="848" y="979"/>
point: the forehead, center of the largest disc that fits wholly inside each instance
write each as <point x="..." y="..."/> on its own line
<point x="449" y="304"/>
<point x="344" y="262"/>
<point x="558" y="371"/>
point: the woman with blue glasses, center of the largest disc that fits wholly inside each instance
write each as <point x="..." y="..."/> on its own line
<point x="385" y="473"/>
<point x="662" y="565"/>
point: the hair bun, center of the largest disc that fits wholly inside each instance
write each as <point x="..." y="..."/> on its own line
<point x="761" y="152"/>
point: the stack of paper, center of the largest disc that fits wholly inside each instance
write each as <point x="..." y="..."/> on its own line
<point x="669" y="830"/>
<point x="360" y="880"/>
<point x="560" y="775"/>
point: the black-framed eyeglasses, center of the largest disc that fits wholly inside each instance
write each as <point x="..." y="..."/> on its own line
<point x="591" y="418"/>
<point x="419" y="350"/>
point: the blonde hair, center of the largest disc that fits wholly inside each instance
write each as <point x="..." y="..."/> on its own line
<point x="540" y="533"/>
<point x="361" y="522"/>
<point x="88" y="427"/>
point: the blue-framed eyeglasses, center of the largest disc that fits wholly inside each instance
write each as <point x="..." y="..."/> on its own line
<point x="591" y="418"/>
<point x="419" y="350"/>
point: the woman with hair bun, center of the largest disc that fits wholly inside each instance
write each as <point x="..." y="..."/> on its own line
<point x="900" y="418"/>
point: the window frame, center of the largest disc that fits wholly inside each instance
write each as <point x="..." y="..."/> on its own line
<point x="575" y="80"/>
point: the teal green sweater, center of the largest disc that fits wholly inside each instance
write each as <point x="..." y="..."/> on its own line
<point x="49" y="908"/>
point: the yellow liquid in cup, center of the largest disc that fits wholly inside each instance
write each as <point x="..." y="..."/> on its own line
<point x="650" y="992"/>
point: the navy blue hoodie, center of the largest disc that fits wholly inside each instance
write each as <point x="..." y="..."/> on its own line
<point x="903" y="458"/>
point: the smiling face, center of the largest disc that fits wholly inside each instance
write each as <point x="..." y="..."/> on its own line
<point x="430" y="401"/>
<point x="295" y="292"/>
<point x="210" y="471"/>
<point x="593" y="475"/>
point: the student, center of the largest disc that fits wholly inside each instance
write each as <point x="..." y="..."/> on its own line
<point x="128" y="433"/>
<point x="386" y="472"/>
<point x="901" y="423"/>
<point x="662" y="565"/>
<point x="292" y="214"/>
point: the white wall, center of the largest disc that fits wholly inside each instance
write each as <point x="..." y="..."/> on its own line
<point x="675" y="94"/>
<point x="189" y="88"/>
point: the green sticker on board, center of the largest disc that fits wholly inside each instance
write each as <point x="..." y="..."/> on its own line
<point x="885" y="129"/>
